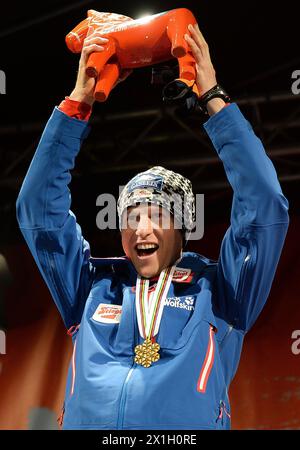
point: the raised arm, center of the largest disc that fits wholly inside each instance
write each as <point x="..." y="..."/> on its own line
<point x="43" y="205"/>
<point x="259" y="218"/>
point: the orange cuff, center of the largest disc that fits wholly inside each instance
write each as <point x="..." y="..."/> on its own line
<point x="77" y="110"/>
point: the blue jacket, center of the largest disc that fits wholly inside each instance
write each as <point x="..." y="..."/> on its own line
<point x="205" y="317"/>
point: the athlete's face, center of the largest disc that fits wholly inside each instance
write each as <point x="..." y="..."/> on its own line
<point x="149" y="238"/>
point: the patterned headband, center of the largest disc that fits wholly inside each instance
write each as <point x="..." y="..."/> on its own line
<point x="165" y="188"/>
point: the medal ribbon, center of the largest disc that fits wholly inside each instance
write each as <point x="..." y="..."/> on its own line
<point x="149" y="316"/>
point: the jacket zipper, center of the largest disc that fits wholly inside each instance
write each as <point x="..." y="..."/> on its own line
<point x="221" y="345"/>
<point x="57" y="281"/>
<point x="208" y="362"/>
<point x="123" y="398"/>
<point x="60" y="419"/>
<point x="72" y="331"/>
<point x="240" y="289"/>
<point x="244" y="268"/>
<point x="73" y="368"/>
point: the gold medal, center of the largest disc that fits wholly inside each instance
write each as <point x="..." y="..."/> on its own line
<point x="147" y="353"/>
<point x="149" y="312"/>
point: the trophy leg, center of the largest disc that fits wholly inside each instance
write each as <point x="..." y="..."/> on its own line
<point x="187" y="68"/>
<point x="106" y="81"/>
<point x="176" y="30"/>
<point x="97" y="60"/>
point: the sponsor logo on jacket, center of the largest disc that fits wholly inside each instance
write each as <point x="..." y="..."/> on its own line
<point x="182" y="275"/>
<point x="107" y="313"/>
<point x="186" y="302"/>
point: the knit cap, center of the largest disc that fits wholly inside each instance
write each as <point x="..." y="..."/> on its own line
<point x="165" y="188"/>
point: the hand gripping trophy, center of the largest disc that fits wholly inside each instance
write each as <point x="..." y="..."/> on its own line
<point x="138" y="43"/>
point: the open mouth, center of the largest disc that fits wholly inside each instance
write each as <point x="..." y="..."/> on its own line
<point x="146" y="249"/>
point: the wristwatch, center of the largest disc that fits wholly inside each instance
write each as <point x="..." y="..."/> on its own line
<point x="215" y="92"/>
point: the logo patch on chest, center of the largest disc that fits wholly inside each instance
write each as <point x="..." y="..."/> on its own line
<point x="182" y="275"/>
<point x="186" y="302"/>
<point x="108" y="313"/>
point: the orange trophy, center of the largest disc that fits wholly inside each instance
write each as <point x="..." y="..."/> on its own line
<point x="137" y="43"/>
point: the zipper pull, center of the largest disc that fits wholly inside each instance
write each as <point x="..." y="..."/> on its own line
<point x="73" y="329"/>
<point x="222" y="410"/>
<point x="226" y="412"/>
<point x="60" y="419"/>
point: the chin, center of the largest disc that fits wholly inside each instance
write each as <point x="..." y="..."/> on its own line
<point x="148" y="272"/>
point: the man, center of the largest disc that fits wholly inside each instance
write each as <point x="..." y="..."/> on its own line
<point x="161" y="331"/>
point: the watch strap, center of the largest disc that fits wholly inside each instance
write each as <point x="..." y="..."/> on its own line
<point x="215" y="92"/>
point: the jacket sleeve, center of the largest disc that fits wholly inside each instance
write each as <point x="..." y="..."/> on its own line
<point x="252" y="245"/>
<point x="47" y="224"/>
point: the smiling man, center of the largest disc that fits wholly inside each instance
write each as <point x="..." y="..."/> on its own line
<point x="157" y="212"/>
<point x="151" y="248"/>
<point x="157" y="334"/>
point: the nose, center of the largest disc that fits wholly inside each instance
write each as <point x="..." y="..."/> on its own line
<point x="144" y="226"/>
